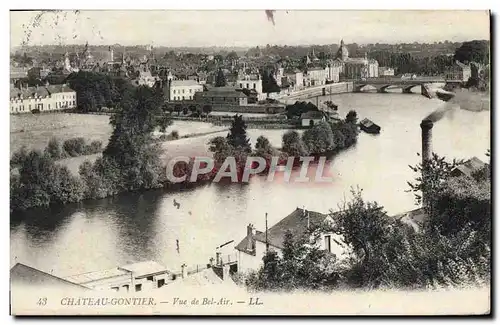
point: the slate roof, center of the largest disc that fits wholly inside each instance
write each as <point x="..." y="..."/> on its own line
<point x="95" y="276"/>
<point x="143" y="269"/>
<point x="295" y="222"/>
<point x="469" y="167"/>
<point x="27" y="275"/>
<point x="184" y="83"/>
<point x="313" y="115"/>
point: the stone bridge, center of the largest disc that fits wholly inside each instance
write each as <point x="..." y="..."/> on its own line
<point x="382" y="84"/>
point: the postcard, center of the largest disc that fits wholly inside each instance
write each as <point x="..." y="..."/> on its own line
<point x="250" y="162"/>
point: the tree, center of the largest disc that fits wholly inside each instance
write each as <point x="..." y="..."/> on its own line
<point x="352" y="117"/>
<point x="319" y="139"/>
<point x="207" y="109"/>
<point x="431" y="179"/>
<point x="473" y="51"/>
<point x="220" y="79"/>
<point x="292" y="144"/>
<point x="231" y="56"/>
<point x="237" y="136"/>
<point x="178" y="109"/>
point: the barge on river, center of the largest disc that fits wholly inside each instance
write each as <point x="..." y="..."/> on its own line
<point x="369" y="127"/>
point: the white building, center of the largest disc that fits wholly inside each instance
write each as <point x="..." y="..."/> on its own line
<point x="254" y="82"/>
<point x="142" y="276"/>
<point x="184" y="89"/>
<point x="295" y="79"/>
<point x="316" y="77"/>
<point x="252" y="248"/>
<point x="42" y="98"/>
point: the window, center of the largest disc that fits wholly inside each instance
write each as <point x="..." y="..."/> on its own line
<point x="248" y="86"/>
<point x="182" y="97"/>
<point x="241" y="85"/>
<point x="328" y="243"/>
<point x="138" y="287"/>
<point x="126" y="287"/>
<point x="254" y="86"/>
<point x="183" y="91"/>
<point x="49" y="106"/>
<point x="149" y="278"/>
<point x="161" y="283"/>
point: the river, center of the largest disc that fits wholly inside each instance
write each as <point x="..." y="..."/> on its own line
<point x="107" y="233"/>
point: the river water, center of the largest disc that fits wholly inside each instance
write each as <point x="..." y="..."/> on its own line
<point x="135" y="227"/>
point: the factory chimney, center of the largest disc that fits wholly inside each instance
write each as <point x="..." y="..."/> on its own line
<point x="426" y="126"/>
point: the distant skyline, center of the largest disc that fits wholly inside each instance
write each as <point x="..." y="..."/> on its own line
<point x="241" y="28"/>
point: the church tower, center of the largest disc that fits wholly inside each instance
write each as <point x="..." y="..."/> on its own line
<point x="342" y="53"/>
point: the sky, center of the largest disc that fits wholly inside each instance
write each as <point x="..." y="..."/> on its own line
<point x="246" y="28"/>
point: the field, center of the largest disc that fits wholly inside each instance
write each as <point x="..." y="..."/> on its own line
<point x="35" y="131"/>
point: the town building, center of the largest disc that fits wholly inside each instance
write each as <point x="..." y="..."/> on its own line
<point x="468" y="168"/>
<point x="42" y="98"/>
<point x="251" y="81"/>
<point x="24" y="275"/>
<point x="355" y="68"/>
<point x="294" y="79"/>
<point x="300" y="222"/>
<point x="311" y="118"/>
<point x="458" y="71"/>
<point x="142" y="276"/>
<point x="315" y="76"/>
<point x="221" y="96"/>
<point x="386" y="72"/>
<point x="184" y="89"/>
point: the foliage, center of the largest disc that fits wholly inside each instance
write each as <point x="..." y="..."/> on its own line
<point x="19" y="156"/>
<point x="298" y="108"/>
<point x="74" y="147"/>
<point x="431" y="179"/>
<point x="473" y="51"/>
<point x="292" y="144"/>
<point x="220" y="79"/>
<point x="40" y="182"/>
<point x="54" y="149"/>
<point x="269" y="84"/>
<point x="237" y="136"/>
<point x="319" y="139"/>
<point x="351" y="117"/>
<point x="301" y="266"/>
<point x="97" y="90"/>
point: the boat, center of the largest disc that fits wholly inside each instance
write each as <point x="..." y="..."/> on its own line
<point x="369" y="127"/>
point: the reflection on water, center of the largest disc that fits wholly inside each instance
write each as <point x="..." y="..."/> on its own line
<point x="134" y="227"/>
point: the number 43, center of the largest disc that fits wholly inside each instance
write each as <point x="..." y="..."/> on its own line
<point x="42" y="301"/>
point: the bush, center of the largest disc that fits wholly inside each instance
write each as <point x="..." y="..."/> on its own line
<point x="174" y="135"/>
<point x="18" y="157"/>
<point x="74" y="147"/>
<point x="94" y="147"/>
<point x="54" y="149"/>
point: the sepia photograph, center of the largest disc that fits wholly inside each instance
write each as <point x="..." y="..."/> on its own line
<point x="250" y="162"/>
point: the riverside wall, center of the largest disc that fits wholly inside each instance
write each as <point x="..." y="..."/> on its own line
<point x="323" y="90"/>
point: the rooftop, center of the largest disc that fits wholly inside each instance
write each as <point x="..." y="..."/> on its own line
<point x="23" y="274"/>
<point x="312" y="115"/>
<point x="469" y="167"/>
<point x="184" y="83"/>
<point x="146" y="268"/>
<point x="295" y="222"/>
<point x="95" y="276"/>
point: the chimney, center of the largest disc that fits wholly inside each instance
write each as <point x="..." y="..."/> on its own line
<point x="426" y="126"/>
<point x="250" y="234"/>
<point x="184" y="271"/>
<point x="305" y="214"/>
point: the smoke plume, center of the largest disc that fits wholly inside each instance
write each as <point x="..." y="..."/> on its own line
<point x="466" y="100"/>
<point x="270" y="15"/>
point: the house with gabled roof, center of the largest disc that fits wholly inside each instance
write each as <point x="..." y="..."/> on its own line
<point x="301" y="222"/>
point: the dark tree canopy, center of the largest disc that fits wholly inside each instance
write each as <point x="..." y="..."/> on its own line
<point x="220" y="79"/>
<point x="473" y="51"/>
<point x="237" y="136"/>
